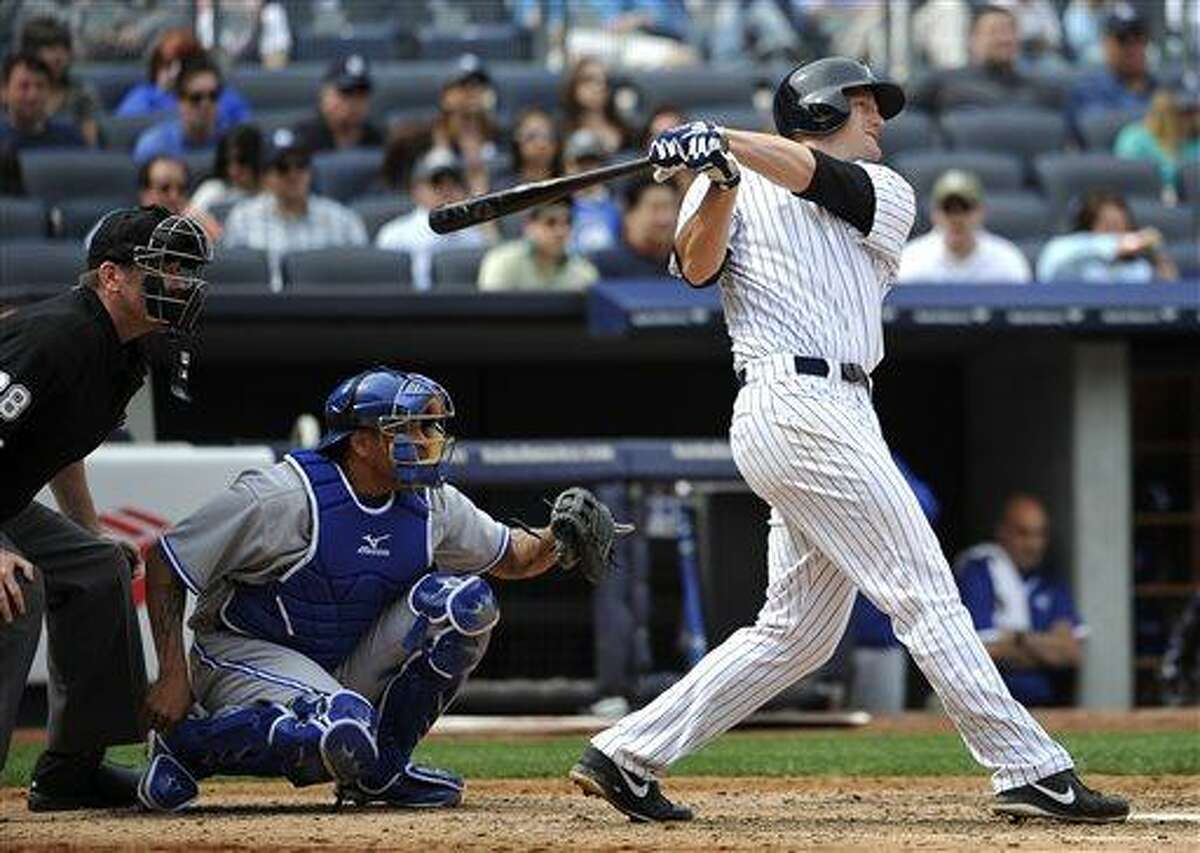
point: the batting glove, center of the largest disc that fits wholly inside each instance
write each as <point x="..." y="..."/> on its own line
<point x="708" y="154"/>
<point x="669" y="149"/>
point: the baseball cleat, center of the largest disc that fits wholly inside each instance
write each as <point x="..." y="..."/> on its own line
<point x="636" y="796"/>
<point x="166" y="785"/>
<point x="414" y="787"/>
<point x="348" y="751"/>
<point x="1061" y="797"/>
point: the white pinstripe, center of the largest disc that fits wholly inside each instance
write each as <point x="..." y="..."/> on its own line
<point x="843" y="518"/>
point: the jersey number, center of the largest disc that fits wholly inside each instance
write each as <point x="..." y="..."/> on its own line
<point x="14" y="398"/>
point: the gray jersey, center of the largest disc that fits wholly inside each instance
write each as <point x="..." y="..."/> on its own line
<point x="799" y="279"/>
<point x="261" y="526"/>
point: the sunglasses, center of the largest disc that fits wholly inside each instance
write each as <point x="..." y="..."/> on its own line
<point x="210" y="95"/>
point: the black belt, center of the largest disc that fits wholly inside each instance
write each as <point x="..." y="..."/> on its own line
<point x="850" y="372"/>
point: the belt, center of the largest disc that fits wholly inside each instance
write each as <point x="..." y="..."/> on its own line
<point x="853" y="373"/>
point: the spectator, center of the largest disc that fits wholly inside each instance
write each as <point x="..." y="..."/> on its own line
<point x="992" y="78"/>
<point x="250" y="30"/>
<point x="70" y="100"/>
<point x="958" y="249"/>
<point x="437" y="179"/>
<point x="26" y="122"/>
<point x="1169" y="134"/>
<point x="939" y="32"/>
<point x="1105" y="247"/>
<point x="1125" y="83"/>
<point x="341" y="119"/>
<point x="287" y="217"/>
<point x="467" y="123"/>
<point x="196" y="127"/>
<point x="595" y="213"/>
<point x="107" y="31"/>
<point x="1025" y="616"/>
<point x="588" y="104"/>
<point x="645" y="33"/>
<point x="536" y="148"/>
<point x="647" y="234"/>
<point x="164" y="181"/>
<point x="158" y="93"/>
<point x="1038" y="30"/>
<point x="1083" y="30"/>
<point x="237" y="170"/>
<point x="540" y="261"/>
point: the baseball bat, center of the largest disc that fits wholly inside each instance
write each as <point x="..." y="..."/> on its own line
<point x="485" y="208"/>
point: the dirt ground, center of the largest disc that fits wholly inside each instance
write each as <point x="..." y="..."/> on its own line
<point x="948" y="813"/>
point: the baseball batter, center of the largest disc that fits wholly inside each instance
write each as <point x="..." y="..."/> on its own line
<point x="341" y="605"/>
<point x="803" y="231"/>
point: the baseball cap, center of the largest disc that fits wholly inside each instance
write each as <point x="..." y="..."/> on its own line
<point x="280" y="144"/>
<point x="1124" y="19"/>
<point x="435" y="163"/>
<point x="469" y="69"/>
<point x="121" y="231"/>
<point x="583" y="144"/>
<point x="350" y="73"/>
<point x="957" y="184"/>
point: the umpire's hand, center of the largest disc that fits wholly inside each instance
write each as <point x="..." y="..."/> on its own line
<point x="167" y="701"/>
<point x="12" y="601"/>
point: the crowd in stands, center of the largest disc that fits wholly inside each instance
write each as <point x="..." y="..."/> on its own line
<point x="997" y="146"/>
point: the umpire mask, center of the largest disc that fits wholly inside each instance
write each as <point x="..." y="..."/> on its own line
<point x="172" y="260"/>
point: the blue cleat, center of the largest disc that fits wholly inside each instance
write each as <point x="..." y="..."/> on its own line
<point x="414" y="787"/>
<point x="348" y="750"/>
<point x="166" y="786"/>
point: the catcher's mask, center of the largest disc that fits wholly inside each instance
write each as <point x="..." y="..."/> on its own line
<point x="172" y="260"/>
<point x="411" y="409"/>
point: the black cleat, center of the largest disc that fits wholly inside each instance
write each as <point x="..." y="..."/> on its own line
<point x="69" y="782"/>
<point x="638" y="797"/>
<point x="1061" y="797"/>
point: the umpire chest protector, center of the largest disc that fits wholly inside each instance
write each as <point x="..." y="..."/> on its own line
<point x="360" y="561"/>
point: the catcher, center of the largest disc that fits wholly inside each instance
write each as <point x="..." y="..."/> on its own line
<point x="342" y="604"/>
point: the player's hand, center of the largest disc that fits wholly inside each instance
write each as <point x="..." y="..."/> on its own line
<point x="668" y="150"/>
<point x="12" y="601"/>
<point x="707" y="153"/>
<point x="167" y="701"/>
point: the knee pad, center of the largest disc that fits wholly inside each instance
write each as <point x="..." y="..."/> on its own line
<point x="296" y="736"/>
<point x="464" y="602"/>
<point x="451" y="654"/>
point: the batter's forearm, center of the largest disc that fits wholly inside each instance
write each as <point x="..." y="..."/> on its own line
<point x="165" y="600"/>
<point x="74" y="498"/>
<point x="704" y="240"/>
<point x="778" y="159"/>
<point x="528" y="555"/>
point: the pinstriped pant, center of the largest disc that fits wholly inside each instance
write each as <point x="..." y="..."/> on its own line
<point x="842" y="518"/>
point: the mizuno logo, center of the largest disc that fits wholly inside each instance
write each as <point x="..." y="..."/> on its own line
<point x="373" y="547"/>
<point x="1065" y="798"/>
<point x="637" y="789"/>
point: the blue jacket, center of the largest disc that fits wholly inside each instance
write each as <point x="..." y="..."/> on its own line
<point x="146" y="99"/>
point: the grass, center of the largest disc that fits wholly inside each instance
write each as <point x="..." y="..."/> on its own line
<point x="805" y="753"/>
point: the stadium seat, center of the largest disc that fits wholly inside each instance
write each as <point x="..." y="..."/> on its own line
<point x="456" y="269"/>
<point x="497" y="41"/>
<point x="741" y="116"/>
<point x="1031" y="248"/>
<point x="54" y="174"/>
<point x="1186" y="255"/>
<point x="347" y="266"/>
<point x="377" y="42"/>
<point x="522" y="86"/>
<point x="200" y="165"/>
<point x="689" y="92"/>
<point x="995" y="171"/>
<point x="1067" y="176"/>
<point x="342" y="175"/>
<point x="120" y="133"/>
<point x="1017" y="215"/>
<point x="74" y="218"/>
<point x="1175" y="223"/>
<point x="22" y="219"/>
<point x="1189" y="182"/>
<point x="268" y="121"/>
<point x="110" y="79"/>
<point x="41" y="264"/>
<point x="378" y="210"/>
<point x="912" y="130"/>
<point x="238" y="267"/>
<point x="1024" y="132"/>
<point x="290" y="88"/>
<point x="1099" y="128"/>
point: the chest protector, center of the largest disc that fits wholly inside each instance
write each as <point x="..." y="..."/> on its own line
<point x="358" y="564"/>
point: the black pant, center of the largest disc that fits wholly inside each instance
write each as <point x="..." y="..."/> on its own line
<point x="97" y="673"/>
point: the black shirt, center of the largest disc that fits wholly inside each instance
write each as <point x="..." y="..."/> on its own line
<point x="65" y="380"/>
<point x="982" y="86"/>
<point x="621" y="261"/>
<point x="316" y="135"/>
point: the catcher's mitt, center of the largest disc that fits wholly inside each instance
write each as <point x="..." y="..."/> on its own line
<point x="584" y="531"/>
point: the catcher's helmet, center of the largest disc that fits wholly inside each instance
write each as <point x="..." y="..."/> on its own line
<point x="409" y="407"/>
<point x="812" y="98"/>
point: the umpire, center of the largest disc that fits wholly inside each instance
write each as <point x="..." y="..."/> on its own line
<point x="68" y="367"/>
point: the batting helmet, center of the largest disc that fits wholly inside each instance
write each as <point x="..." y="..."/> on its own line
<point x="410" y="408"/>
<point x="812" y="98"/>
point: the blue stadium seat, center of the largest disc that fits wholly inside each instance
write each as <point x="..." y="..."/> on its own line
<point x="54" y="174"/>
<point x="120" y="133"/>
<point x="457" y="269"/>
<point x="294" y="87"/>
<point x="74" y="218"/>
<point x="1186" y="255"/>
<point x="41" y="264"/>
<point x="111" y="79"/>
<point x="1099" y="128"/>
<point x="741" y="116"/>
<point x="995" y="171"/>
<point x="342" y="175"/>
<point x="1175" y="223"/>
<point x="1024" y="132"/>
<point x="688" y="90"/>
<point x="1189" y="182"/>
<point x="347" y="266"/>
<point x="22" y="219"/>
<point x="521" y="86"/>
<point x="912" y="130"/>
<point x="377" y="42"/>
<point x="1066" y="176"/>
<point x="1017" y="215"/>
<point x="378" y="210"/>
<point x="496" y="41"/>
<point x="238" y="267"/>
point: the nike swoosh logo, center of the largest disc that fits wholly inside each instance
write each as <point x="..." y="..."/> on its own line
<point x="637" y="790"/>
<point x="1066" y="799"/>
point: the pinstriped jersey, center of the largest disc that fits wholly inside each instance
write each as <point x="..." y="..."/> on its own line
<point x="800" y="280"/>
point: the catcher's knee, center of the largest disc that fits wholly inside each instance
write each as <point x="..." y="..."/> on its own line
<point x="455" y="617"/>
<point x="296" y="736"/>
